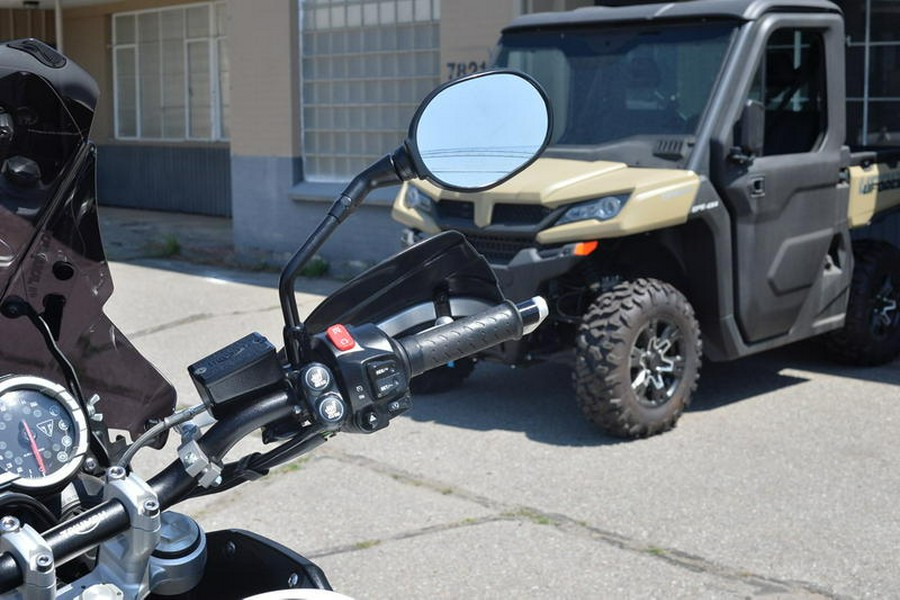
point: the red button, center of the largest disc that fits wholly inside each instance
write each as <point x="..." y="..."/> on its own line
<point x="340" y="337"/>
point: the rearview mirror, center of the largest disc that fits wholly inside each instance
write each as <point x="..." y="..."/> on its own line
<point x="753" y="123"/>
<point x="479" y="131"/>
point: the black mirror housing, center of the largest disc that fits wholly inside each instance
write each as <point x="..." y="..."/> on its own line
<point x="752" y="128"/>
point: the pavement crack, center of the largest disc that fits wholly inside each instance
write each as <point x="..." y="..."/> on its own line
<point x="763" y="585"/>
<point x="196" y="318"/>
<point x="405" y="535"/>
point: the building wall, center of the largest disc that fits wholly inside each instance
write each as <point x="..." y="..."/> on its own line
<point x="186" y="176"/>
<point x="258" y="177"/>
<point x="370" y="234"/>
<point x="466" y="42"/>
<point x="17" y="23"/>
<point x="265" y="153"/>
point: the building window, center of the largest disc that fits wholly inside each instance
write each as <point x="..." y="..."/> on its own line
<point x="366" y="67"/>
<point x="170" y="70"/>
<point x="873" y="66"/>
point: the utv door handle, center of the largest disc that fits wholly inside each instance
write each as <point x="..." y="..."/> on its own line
<point x="758" y="187"/>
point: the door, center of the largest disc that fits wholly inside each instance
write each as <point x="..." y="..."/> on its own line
<point x="787" y="205"/>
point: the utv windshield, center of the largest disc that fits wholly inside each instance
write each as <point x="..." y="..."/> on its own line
<point x="608" y="85"/>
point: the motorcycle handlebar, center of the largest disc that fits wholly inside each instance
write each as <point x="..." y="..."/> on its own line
<point x="471" y="335"/>
<point x="424" y="351"/>
<point x="92" y="527"/>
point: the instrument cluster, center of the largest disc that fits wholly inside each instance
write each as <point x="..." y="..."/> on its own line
<point x="43" y="434"/>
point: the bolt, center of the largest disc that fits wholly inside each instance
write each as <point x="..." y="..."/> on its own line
<point x="230" y="549"/>
<point x="9" y="524"/>
<point x="293" y="580"/>
<point x="189" y="459"/>
<point x="217" y="482"/>
<point x="189" y="431"/>
<point x="115" y="473"/>
<point x="90" y="465"/>
<point x="151" y="508"/>
<point x="44" y="562"/>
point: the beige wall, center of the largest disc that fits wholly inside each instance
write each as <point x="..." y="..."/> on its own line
<point x="469" y="30"/>
<point x="87" y="41"/>
<point x="265" y="62"/>
<point x="21" y="23"/>
<point x="265" y="71"/>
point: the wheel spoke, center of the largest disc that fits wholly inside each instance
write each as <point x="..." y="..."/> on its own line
<point x="669" y="337"/>
<point x="637" y="357"/>
<point x="667" y="364"/>
<point x="639" y="383"/>
<point x="884" y="311"/>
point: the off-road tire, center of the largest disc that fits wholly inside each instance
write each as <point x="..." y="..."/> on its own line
<point x="614" y="354"/>
<point x="871" y="331"/>
<point x="443" y="378"/>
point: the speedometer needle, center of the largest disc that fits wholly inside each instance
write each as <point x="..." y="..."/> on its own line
<point x="34" y="448"/>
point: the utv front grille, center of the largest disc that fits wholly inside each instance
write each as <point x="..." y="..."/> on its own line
<point x="519" y="214"/>
<point x="456" y="210"/>
<point x="499" y="249"/>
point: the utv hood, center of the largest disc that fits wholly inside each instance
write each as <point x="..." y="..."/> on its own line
<point x="656" y="197"/>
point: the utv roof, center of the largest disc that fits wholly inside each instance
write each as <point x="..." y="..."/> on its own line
<point x="746" y="10"/>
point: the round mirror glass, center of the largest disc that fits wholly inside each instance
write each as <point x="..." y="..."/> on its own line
<point x="479" y="131"/>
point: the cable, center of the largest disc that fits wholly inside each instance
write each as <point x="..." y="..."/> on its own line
<point x="152" y="433"/>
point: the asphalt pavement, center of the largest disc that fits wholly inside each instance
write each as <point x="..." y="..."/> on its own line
<point x="779" y="481"/>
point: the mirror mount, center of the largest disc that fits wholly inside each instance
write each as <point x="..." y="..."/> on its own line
<point x="751" y="134"/>
<point x="390" y="169"/>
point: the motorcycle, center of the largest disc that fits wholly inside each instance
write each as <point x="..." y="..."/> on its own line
<point x="76" y="521"/>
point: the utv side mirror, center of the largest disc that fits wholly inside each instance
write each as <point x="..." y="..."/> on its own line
<point x="751" y="133"/>
<point x="477" y="132"/>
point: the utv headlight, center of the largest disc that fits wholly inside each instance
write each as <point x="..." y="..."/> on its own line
<point x="602" y="209"/>
<point x="418" y="200"/>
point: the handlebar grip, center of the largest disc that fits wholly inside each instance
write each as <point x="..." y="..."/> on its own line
<point x="470" y="335"/>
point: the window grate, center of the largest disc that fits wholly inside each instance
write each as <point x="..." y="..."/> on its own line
<point x="366" y="67"/>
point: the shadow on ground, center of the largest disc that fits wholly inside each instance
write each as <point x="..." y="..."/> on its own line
<point x="539" y="402"/>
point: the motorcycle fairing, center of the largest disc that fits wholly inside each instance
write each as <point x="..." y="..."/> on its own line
<point x="445" y="263"/>
<point x="241" y="563"/>
<point x="51" y="253"/>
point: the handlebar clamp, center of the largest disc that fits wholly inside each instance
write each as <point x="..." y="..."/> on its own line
<point x="27" y="547"/>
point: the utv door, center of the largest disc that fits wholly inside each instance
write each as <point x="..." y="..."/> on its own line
<point x="788" y="205"/>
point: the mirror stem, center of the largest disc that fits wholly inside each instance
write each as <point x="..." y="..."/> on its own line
<point x="391" y="169"/>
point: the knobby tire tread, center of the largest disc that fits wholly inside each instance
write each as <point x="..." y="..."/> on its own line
<point x="603" y="345"/>
<point x="853" y="344"/>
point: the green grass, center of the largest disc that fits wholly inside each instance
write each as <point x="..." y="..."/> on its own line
<point x="167" y="247"/>
<point x="316" y="267"/>
<point x="364" y="545"/>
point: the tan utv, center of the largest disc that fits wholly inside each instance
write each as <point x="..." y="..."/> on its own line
<point x="698" y="180"/>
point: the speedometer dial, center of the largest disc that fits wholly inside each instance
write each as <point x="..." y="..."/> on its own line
<point x="43" y="433"/>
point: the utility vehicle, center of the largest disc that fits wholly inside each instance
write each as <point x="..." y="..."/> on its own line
<point x="698" y="180"/>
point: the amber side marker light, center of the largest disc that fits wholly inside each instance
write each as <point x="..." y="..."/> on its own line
<point x="584" y="248"/>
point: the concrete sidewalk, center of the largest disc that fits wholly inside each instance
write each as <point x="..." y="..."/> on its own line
<point x="130" y="234"/>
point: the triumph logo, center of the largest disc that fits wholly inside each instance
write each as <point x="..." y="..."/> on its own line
<point x="89" y="525"/>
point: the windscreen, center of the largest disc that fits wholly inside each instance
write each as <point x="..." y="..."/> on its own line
<point x="611" y="84"/>
<point x="51" y="255"/>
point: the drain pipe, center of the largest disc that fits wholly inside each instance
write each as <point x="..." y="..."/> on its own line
<point x="57" y="18"/>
